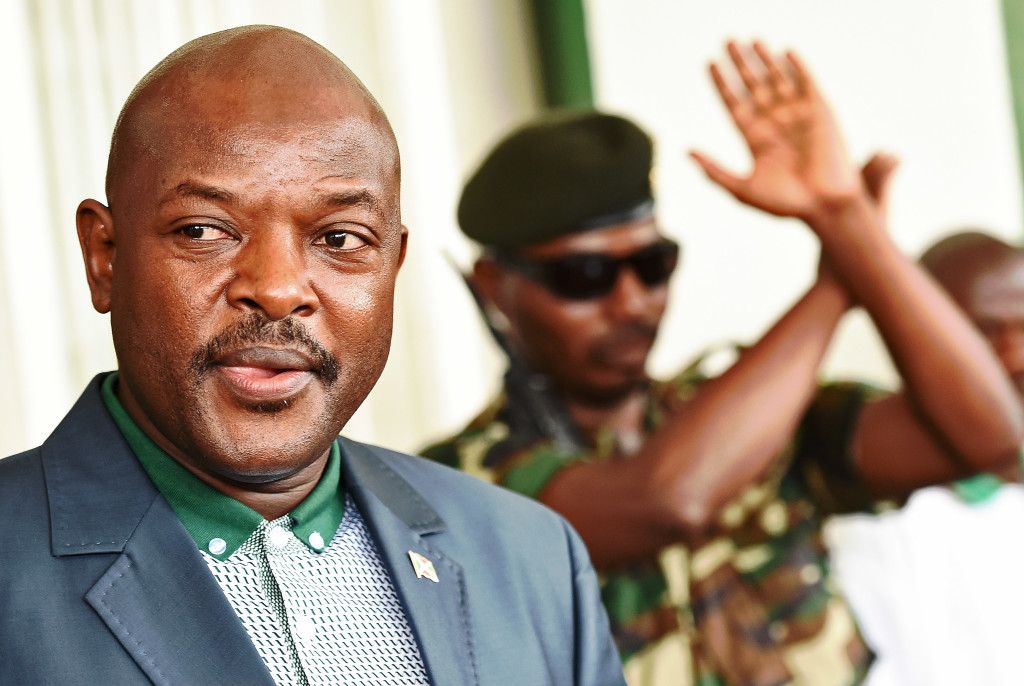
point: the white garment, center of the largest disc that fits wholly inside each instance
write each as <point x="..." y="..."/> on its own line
<point x="938" y="588"/>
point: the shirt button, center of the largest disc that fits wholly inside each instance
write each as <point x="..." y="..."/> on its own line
<point x="279" y="537"/>
<point x="217" y="546"/>
<point x="316" y="540"/>
<point x="305" y="627"/>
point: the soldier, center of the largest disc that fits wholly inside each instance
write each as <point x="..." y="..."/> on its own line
<point x="701" y="500"/>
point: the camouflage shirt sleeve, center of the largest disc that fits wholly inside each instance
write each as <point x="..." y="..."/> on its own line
<point x="823" y="455"/>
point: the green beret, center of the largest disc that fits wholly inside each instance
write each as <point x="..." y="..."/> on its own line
<point x="557" y="175"/>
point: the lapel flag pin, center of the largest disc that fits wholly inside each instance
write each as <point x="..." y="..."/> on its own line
<point x="423" y="567"/>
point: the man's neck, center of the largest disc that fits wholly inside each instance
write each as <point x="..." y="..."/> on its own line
<point x="272" y="499"/>
<point x="624" y="418"/>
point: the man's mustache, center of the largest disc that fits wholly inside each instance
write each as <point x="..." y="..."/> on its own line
<point x="256" y="330"/>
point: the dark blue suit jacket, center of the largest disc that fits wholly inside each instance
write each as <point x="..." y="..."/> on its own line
<point x="101" y="584"/>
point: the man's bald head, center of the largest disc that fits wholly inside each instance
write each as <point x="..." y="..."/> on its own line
<point x="959" y="261"/>
<point x="985" y="276"/>
<point x="249" y="77"/>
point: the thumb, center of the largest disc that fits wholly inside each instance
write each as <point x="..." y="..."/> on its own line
<point x="717" y="174"/>
<point x="877" y="173"/>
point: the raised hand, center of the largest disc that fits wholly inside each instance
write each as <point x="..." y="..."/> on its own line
<point x="799" y="159"/>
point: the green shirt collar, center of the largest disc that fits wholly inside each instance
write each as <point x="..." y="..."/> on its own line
<point x="977" y="489"/>
<point x="217" y="523"/>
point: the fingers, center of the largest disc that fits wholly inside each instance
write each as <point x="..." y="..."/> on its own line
<point x="801" y="76"/>
<point x="765" y="82"/>
<point x="756" y="86"/>
<point x="779" y="82"/>
<point x="732" y="103"/>
<point x="775" y="75"/>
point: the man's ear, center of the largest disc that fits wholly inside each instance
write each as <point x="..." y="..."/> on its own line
<point x="404" y="246"/>
<point x="96" y="237"/>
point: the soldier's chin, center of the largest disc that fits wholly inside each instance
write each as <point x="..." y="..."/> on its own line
<point x="609" y="394"/>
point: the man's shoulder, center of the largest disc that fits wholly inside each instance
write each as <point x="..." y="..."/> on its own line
<point x="25" y="511"/>
<point x="19" y="473"/>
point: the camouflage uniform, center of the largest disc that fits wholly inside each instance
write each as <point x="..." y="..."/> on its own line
<point x="754" y="606"/>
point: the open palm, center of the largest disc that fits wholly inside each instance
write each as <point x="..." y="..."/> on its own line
<point x="799" y="159"/>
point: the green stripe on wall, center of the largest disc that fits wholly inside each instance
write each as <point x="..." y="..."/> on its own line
<point x="564" y="58"/>
<point x="1013" y="24"/>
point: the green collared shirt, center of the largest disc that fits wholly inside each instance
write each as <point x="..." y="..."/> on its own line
<point x="220" y="524"/>
<point x="309" y="587"/>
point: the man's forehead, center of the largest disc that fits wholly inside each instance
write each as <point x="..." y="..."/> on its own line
<point x="298" y="147"/>
<point x="258" y="155"/>
<point x="244" y="96"/>
<point x="262" y="105"/>
<point x="318" y="142"/>
<point x="999" y="289"/>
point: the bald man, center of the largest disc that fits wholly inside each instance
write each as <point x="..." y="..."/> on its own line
<point x="936" y="584"/>
<point x="195" y="519"/>
<point x="985" y="276"/>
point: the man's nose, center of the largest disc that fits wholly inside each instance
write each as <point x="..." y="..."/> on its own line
<point x="629" y="297"/>
<point x="271" y="274"/>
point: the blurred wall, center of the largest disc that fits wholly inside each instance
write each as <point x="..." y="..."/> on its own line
<point x="924" y="82"/>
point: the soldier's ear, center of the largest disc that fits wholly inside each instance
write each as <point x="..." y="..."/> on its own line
<point x="486" y="279"/>
<point x="491" y="283"/>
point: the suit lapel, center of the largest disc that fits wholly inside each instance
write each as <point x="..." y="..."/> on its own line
<point x="158" y="597"/>
<point x="161" y="602"/>
<point x="401" y="522"/>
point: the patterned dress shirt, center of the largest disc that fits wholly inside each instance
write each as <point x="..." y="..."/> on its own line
<point x="309" y="587"/>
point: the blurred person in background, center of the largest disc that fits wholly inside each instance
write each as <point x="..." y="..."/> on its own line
<point x="936" y="584"/>
<point x="702" y="500"/>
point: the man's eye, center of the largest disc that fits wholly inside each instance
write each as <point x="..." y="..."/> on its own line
<point x="343" y="239"/>
<point x="201" y="232"/>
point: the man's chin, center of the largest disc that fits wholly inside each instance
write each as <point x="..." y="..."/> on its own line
<point x="610" y="394"/>
<point x="260" y="474"/>
<point x="252" y="454"/>
<point x="254" y="431"/>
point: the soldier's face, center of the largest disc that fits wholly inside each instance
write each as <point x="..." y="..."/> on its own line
<point x="593" y="349"/>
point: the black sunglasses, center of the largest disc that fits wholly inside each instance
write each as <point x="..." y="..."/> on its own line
<point x="588" y="275"/>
